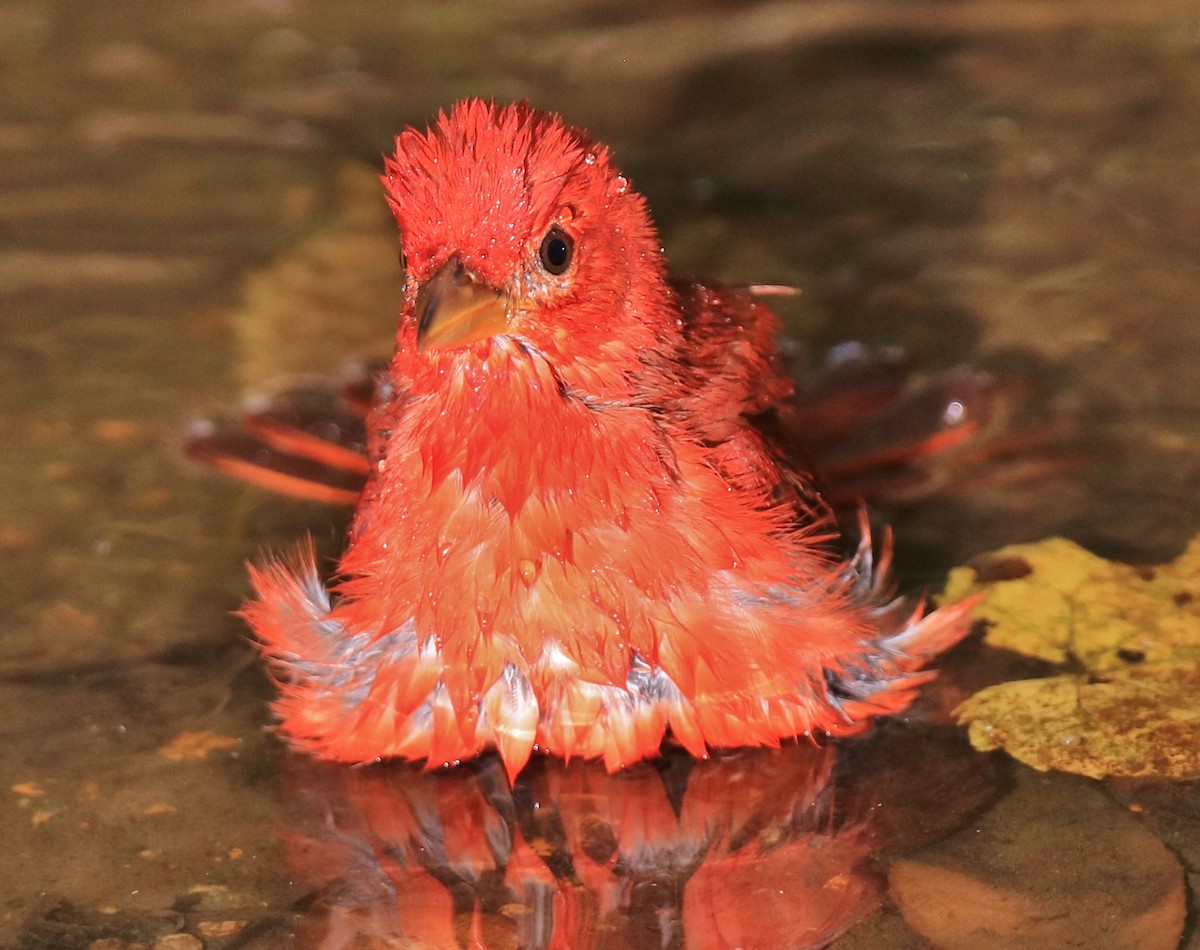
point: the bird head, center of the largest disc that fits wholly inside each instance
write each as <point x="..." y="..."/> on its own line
<point x="516" y="227"/>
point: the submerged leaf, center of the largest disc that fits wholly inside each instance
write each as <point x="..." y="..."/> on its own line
<point x="1136" y="631"/>
<point x="189" y="746"/>
<point x="337" y="291"/>
<point x="1139" y="722"/>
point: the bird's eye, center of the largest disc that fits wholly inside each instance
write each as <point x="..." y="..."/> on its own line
<point x="556" y="251"/>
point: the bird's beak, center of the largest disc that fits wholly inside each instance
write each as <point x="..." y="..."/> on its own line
<point x="454" y="308"/>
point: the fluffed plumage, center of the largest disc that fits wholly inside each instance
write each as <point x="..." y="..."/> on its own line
<point x="581" y="529"/>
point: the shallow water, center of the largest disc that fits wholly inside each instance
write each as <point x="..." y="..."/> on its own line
<point x="1010" y="186"/>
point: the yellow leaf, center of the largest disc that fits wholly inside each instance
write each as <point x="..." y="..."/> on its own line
<point x="1136" y="633"/>
<point x="1066" y="603"/>
<point x="1139" y="722"/>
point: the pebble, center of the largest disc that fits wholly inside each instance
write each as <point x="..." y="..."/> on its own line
<point x="1057" y="863"/>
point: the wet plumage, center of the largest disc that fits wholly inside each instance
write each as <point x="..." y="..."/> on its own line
<point x="584" y="526"/>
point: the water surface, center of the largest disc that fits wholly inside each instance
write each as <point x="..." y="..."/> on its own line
<point x="1011" y="187"/>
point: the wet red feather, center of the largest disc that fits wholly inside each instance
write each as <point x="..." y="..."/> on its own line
<point x="578" y="535"/>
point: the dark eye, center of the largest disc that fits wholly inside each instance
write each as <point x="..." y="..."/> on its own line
<point x="556" y="251"/>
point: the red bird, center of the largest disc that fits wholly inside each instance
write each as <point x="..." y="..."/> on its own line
<point x="583" y="527"/>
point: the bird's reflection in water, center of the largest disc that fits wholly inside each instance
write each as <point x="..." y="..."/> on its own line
<point x="749" y="849"/>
